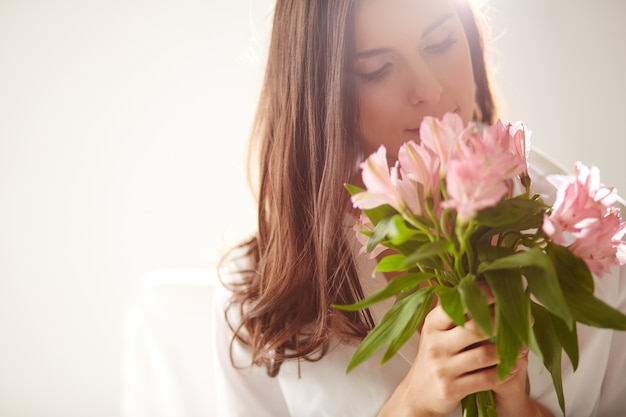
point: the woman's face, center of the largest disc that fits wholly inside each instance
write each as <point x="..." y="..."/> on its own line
<point x="412" y="60"/>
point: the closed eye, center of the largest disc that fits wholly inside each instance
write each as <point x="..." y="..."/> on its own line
<point x="441" y="46"/>
<point x="379" y="73"/>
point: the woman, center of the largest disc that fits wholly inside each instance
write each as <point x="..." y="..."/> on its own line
<point x="342" y="78"/>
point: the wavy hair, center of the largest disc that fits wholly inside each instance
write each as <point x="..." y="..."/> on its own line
<point x="305" y="137"/>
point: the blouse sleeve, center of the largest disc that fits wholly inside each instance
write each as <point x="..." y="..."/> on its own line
<point x="613" y="394"/>
<point x="244" y="390"/>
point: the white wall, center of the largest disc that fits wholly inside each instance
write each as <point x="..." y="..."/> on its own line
<point x="122" y="132"/>
<point x="562" y="69"/>
<point x="122" y="136"/>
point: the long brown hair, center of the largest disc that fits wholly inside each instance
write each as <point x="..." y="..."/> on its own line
<point x="305" y="136"/>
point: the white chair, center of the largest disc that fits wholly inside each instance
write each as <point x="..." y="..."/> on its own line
<point x="166" y="366"/>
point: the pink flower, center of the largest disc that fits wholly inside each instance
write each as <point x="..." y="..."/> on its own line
<point x="378" y="181"/>
<point x="363" y="224"/>
<point x="496" y="158"/>
<point x="472" y="188"/>
<point x="383" y="186"/>
<point x="420" y="164"/>
<point x="581" y="201"/>
<point x="520" y="138"/>
<point x="444" y="136"/>
<point x="411" y="193"/>
<point x="513" y="137"/>
<point x="600" y="246"/>
<point x="478" y="176"/>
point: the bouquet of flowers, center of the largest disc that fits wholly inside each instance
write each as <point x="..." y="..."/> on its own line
<point x="454" y="214"/>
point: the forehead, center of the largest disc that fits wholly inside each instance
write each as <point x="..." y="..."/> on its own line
<point x="382" y="21"/>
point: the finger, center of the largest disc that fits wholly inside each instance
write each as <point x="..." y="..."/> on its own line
<point x="464" y="337"/>
<point x="478" y="357"/>
<point x="472" y="326"/>
<point x="483" y="380"/>
<point x="437" y="320"/>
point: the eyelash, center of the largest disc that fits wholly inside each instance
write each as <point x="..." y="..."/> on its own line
<point x="441" y="47"/>
<point x="437" y="48"/>
<point x="372" y="76"/>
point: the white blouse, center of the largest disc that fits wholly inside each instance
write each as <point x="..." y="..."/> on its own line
<point x="322" y="388"/>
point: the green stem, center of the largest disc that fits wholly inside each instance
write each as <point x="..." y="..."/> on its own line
<point x="486" y="404"/>
<point x="463" y="236"/>
<point x="491" y="404"/>
<point x="469" y="406"/>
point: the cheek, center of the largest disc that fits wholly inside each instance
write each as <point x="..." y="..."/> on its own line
<point x="460" y="83"/>
<point x="378" y="119"/>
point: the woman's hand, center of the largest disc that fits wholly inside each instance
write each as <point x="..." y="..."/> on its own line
<point x="512" y="395"/>
<point x="453" y="362"/>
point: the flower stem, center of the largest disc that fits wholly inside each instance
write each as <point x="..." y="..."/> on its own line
<point x="463" y="236"/>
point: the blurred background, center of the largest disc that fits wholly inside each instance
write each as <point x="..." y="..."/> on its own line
<point x="123" y="128"/>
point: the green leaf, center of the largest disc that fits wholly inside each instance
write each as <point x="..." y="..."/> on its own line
<point x="378" y="213"/>
<point x="578" y="287"/>
<point x="517" y="260"/>
<point x="353" y="189"/>
<point x="512" y="302"/>
<point x="515" y="213"/>
<point x="392" y="263"/>
<point x="568" y="338"/>
<point x="452" y="304"/>
<point x="592" y="311"/>
<point x="508" y="344"/>
<point x="427" y="251"/>
<point x="388" y="328"/>
<point x="476" y="303"/>
<point x="573" y="273"/>
<point x="533" y="345"/>
<point x="402" y="233"/>
<point x="544" y="284"/>
<point x="384" y="226"/>
<point x="551" y="348"/>
<point x="486" y="252"/>
<point x="374" y="214"/>
<point x="427" y="296"/>
<point x="541" y="277"/>
<point x="513" y="318"/>
<point x="399" y="284"/>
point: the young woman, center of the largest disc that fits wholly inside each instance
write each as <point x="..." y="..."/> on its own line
<point x="342" y="78"/>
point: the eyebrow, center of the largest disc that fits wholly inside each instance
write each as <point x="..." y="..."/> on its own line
<point x="377" y="51"/>
<point x="437" y="23"/>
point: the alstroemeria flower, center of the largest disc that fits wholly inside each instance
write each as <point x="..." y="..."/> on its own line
<point x="384" y="186"/>
<point x="363" y="224"/>
<point x="444" y="136"/>
<point x="420" y="164"/>
<point x="472" y="188"/>
<point x="600" y="245"/>
<point x="520" y="141"/>
<point x="496" y="158"/>
<point x="514" y="137"/>
<point x="580" y="201"/>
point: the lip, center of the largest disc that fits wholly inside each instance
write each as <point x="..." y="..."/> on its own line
<point x="416" y="131"/>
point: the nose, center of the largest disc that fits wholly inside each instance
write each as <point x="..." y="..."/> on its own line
<point x="424" y="86"/>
